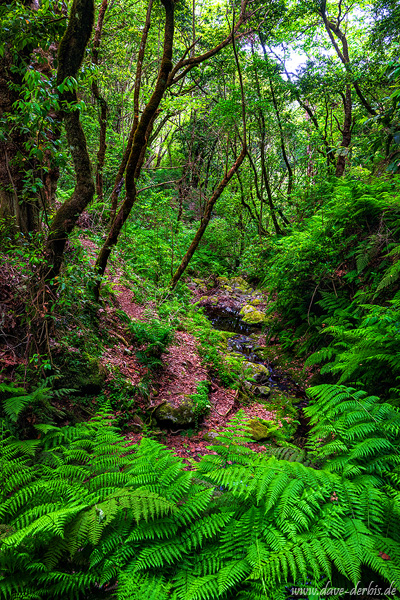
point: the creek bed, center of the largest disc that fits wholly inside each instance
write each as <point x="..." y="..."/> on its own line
<point x="228" y="319"/>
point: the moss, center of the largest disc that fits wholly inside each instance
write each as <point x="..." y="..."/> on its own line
<point x="255" y="301"/>
<point x="177" y="416"/>
<point x="251" y="315"/>
<point x="281" y="432"/>
<point x="86" y="376"/>
<point x="210" y="436"/>
<point x="256" y="369"/>
<point x="261" y="429"/>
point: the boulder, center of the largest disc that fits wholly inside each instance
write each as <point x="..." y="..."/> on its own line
<point x="184" y="414"/>
<point x="262" y="390"/>
<point x="256" y="371"/>
<point x="261" y="429"/>
<point x="255" y="301"/>
<point x="251" y="315"/>
<point x="86" y="376"/>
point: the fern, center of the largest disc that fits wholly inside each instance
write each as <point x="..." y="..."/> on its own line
<point x="131" y="523"/>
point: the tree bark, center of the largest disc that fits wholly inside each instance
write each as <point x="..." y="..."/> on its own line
<point x="139" y="144"/>
<point x="101" y="154"/>
<point x="333" y="28"/>
<point x="119" y="179"/>
<point x="70" y="56"/>
<point x="346" y="133"/>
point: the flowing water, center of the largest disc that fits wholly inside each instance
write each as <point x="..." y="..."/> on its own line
<point x="226" y="319"/>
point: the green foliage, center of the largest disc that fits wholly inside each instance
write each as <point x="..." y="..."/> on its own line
<point x="155" y="336"/>
<point x="201" y="403"/>
<point x="307" y="261"/>
<point x="356" y="435"/>
<point x="366" y="349"/>
<point x="17" y="404"/>
<point x="81" y="511"/>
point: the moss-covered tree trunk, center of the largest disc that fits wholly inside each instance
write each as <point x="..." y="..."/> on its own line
<point x="70" y="56"/>
<point x="101" y="154"/>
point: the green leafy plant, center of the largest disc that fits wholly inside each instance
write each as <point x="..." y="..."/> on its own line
<point x="16" y="402"/>
<point x="155" y="336"/>
<point x="83" y="515"/>
<point x="201" y="402"/>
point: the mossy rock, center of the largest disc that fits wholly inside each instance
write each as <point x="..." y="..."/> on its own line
<point x="184" y="415"/>
<point x="262" y="390"/>
<point x="240" y="283"/>
<point x="261" y="429"/>
<point x="198" y="282"/>
<point x="255" y="301"/>
<point x="210" y="436"/>
<point x="256" y="369"/>
<point x="85" y="376"/>
<point x="251" y="315"/>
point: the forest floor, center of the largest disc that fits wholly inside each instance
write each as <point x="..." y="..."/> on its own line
<point x="182" y="364"/>
<point x="183" y="368"/>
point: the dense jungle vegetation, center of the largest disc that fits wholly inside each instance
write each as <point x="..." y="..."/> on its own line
<point x="161" y="160"/>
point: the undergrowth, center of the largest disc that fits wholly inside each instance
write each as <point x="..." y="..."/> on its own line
<point x="84" y="516"/>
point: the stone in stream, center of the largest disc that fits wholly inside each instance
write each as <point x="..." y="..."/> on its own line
<point x="251" y="315"/>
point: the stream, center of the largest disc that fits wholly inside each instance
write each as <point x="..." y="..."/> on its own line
<point x="227" y="319"/>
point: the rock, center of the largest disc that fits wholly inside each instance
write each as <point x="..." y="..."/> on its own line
<point x="256" y="370"/>
<point x="262" y="390"/>
<point x="251" y="315"/>
<point x="198" y="282"/>
<point x="84" y="376"/>
<point x="261" y="429"/>
<point x="183" y="415"/>
<point x="210" y="436"/>
<point x="255" y="301"/>
<point x="240" y="283"/>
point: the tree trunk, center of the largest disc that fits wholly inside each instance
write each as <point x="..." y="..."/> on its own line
<point x="101" y="154"/>
<point x="70" y="56"/>
<point x="206" y="218"/>
<point x="119" y="179"/>
<point x="346" y="133"/>
<point x="139" y="144"/>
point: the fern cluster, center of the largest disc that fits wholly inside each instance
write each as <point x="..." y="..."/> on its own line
<point x="83" y="515"/>
<point x="365" y="350"/>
